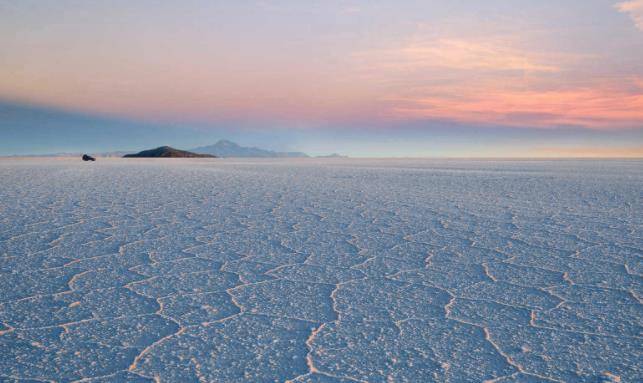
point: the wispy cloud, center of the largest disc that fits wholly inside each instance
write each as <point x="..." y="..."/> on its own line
<point x="634" y="9"/>
<point x="498" y="80"/>
<point x="453" y="53"/>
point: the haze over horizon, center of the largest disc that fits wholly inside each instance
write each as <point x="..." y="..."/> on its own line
<point x="375" y="79"/>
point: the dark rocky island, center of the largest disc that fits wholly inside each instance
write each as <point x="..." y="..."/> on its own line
<point x="87" y="157"/>
<point x="167" y="152"/>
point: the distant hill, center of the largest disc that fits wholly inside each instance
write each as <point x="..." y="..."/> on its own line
<point x="225" y="148"/>
<point x="167" y="152"/>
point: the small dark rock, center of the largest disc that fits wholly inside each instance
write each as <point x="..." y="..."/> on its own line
<point x="88" y="158"/>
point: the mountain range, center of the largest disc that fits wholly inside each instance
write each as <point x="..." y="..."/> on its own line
<point x="225" y="148"/>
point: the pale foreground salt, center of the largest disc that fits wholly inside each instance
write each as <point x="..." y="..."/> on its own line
<point x="320" y="270"/>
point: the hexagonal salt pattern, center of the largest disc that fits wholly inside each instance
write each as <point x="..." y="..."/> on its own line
<point x="320" y="271"/>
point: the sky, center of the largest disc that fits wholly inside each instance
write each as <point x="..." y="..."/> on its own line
<point x="460" y="78"/>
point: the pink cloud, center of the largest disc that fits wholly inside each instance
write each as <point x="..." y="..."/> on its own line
<point x="602" y="108"/>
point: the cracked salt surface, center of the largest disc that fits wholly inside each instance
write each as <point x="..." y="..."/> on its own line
<point x="320" y="271"/>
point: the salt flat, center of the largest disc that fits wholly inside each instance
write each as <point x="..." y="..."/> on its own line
<point x="320" y="270"/>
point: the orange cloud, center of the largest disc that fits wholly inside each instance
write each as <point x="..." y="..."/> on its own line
<point x="634" y="9"/>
